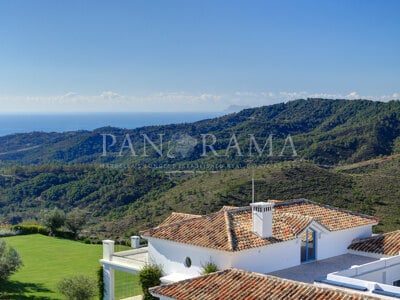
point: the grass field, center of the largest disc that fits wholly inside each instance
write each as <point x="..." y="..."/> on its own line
<point x="47" y="260"/>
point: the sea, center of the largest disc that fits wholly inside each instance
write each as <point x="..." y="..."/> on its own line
<point x="61" y="122"/>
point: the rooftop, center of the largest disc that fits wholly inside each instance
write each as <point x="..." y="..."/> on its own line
<point x="385" y="244"/>
<point x="230" y="229"/>
<point x="311" y="271"/>
<point x="239" y="284"/>
<point x="178" y="217"/>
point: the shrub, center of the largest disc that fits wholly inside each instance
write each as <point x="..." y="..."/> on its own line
<point x="149" y="276"/>
<point x="4" y="231"/>
<point x="78" y="287"/>
<point x="10" y="261"/>
<point x="209" y="267"/>
<point x="100" y="283"/>
<point x="30" y="229"/>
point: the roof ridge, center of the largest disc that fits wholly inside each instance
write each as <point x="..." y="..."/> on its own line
<point x="228" y="225"/>
<point x="241" y="208"/>
<point x="184" y="214"/>
<point x="290" y="202"/>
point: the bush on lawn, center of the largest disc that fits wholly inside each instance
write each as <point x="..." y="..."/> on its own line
<point x="78" y="287"/>
<point x="10" y="261"/>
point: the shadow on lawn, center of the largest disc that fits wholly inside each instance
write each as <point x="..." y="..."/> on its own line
<point x="16" y="290"/>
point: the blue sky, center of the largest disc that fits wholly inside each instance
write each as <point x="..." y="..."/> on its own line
<point x="194" y="55"/>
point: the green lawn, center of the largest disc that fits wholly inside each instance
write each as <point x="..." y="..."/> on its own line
<point x="47" y="260"/>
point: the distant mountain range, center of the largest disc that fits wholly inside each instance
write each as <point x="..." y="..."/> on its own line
<point x="320" y="130"/>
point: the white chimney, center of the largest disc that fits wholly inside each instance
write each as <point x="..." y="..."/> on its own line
<point x="262" y="218"/>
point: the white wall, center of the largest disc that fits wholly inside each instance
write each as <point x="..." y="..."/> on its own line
<point x="336" y="242"/>
<point x="384" y="271"/>
<point x="268" y="258"/>
<point x="171" y="256"/>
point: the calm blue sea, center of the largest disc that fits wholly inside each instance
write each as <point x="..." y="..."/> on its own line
<point x="19" y="123"/>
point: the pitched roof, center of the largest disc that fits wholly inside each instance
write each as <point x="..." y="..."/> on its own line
<point x="176" y="217"/>
<point x="235" y="284"/>
<point x="231" y="229"/>
<point x="330" y="217"/>
<point x="386" y="244"/>
<point x="228" y="207"/>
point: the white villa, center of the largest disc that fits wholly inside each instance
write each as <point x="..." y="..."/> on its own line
<point x="262" y="238"/>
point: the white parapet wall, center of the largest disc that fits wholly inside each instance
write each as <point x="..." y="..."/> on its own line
<point x="379" y="274"/>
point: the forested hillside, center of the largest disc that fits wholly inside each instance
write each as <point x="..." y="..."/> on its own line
<point x="122" y="202"/>
<point x="372" y="190"/>
<point x="105" y="172"/>
<point x="324" y="131"/>
<point x="24" y="191"/>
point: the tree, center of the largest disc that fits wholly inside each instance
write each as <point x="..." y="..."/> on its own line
<point x="78" y="287"/>
<point x="52" y="219"/>
<point x="149" y="276"/>
<point x="10" y="261"/>
<point x="75" y="221"/>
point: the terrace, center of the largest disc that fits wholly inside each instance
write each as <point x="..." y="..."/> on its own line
<point x="309" y="272"/>
<point x="130" y="261"/>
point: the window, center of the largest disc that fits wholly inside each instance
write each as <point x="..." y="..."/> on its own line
<point x="308" y="243"/>
<point x="188" y="262"/>
<point x="396" y="283"/>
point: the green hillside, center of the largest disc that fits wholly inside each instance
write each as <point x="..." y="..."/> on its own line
<point x="125" y="191"/>
<point x="122" y="202"/>
<point x="24" y="191"/>
<point x="373" y="191"/>
<point x="324" y="131"/>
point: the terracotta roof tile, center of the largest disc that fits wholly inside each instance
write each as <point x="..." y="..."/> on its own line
<point x="386" y="244"/>
<point x="235" y="284"/>
<point x="231" y="229"/>
<point x="330" y="217"/>
<point x="228" y="207"/>
<point x="206" y="231"/>
<point x="176" y="217"/>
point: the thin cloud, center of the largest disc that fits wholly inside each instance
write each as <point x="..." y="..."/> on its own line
<point x="111" y="101"/>
<point x="109" y="95"/>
